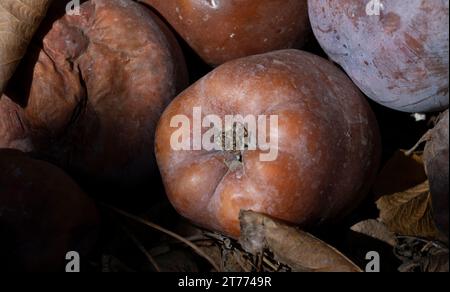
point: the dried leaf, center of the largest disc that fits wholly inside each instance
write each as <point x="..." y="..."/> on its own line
<point x="19" y="20"/>
<point x="401" y="173"/>
<point x="377" y="230"/>
<point x="297" y="249"/>
<point x="419" y="255"/>
<point x="177" y="261"/>
<point x="409" y="212"/>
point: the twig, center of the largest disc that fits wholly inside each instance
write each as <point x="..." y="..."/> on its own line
<point x="141" y="248"/>
<point x="270" y="264"/>
<point x="163" y="230"/>
<point x="239" y="256"/>
<point x="425" y="138"/>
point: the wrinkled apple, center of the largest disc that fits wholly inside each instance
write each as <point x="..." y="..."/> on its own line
<point x="436" y="157"/>
<point x="95" y="93"/>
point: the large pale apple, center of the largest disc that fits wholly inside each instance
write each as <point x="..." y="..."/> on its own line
<point x="396" y="51"/>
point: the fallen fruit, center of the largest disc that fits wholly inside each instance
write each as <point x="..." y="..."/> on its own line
<point x="97" y="90"/>
<point x="221" y="31"/>
<point x="398" y="55"/>
<point x="325" y="143"/>
<point x="43" y="215"/>
<point x="436" y="158"/>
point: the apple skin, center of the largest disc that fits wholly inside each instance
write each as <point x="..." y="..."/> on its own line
<point x="222" y="30"/>
<point x="43" y="215"/>
<point x="400" y="58"/>
<point x="329" y="144"/>
<point x="97" y="88"/>
<point x="436" y="158"/>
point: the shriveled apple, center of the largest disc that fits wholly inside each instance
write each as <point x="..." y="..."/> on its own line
<point x="317" y="151"/>
<point x="436" y="157"/>
<point x="43" y="215"/>
<point x="222" y="30"/>
<point x="396" y="51"/>
<point x="95" y="93"/>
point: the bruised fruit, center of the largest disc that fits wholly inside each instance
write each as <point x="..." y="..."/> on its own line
<point x="43" y="215"/>
<point x="396" y="51"/>
<point x="97" y="89"/>
<point x="436" y="159"/>
<point x="223" y="30"/>
<point x="284" y="133"/>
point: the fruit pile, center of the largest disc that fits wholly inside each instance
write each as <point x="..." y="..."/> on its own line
<point x="291" y="109"/>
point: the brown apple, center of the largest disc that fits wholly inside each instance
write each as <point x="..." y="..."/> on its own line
<point x="98" y="84"/>
<point x="327" y="147"/>
<point x="436" y="158"/>
<point x="43" y="215"/>
<point x="222" y="30"/>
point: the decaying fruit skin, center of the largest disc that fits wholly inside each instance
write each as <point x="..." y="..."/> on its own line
<point x="328" y="144"/>
<point x="43" y="215"/>
<point x="98" y="88"/>
<point x="436" y="157"/>
<point x="222" y="30"/>
<point x="399" y="58"/>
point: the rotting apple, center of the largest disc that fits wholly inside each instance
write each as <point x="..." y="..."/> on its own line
<point x="43" y="215"/>
<point x="327" y="137"/>
<point x="222" y="30"/>
<point x="436" y="158"/>
<point x="396" y="51"/>
<point x="95" y="93"/>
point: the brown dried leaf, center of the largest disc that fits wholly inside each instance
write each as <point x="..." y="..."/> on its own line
<point x="297" y="249"/>
<point x="377" y="230"/>
<point x="177" y="261"/>
<point x="409" y="212"/>
<point x="419" y="255"/>
<point x="19" y="20"/>
<point x="402" y="172"/>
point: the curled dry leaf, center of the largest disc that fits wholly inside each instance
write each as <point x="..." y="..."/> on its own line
<point x="436" y="158"/>
<point x="405" y="201"/>
<point x="410" y="212"/>
<point x="377" y="230"/>
<point x="419" y="255"/>
<point x="19" y="20"/>
<point x="297" y="249"/>
<point x="401" y="172"/>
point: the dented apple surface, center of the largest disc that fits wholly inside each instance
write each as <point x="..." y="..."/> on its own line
<point x="328" y="143"/>
<point x="95" y="92"/>
<point x="223" y="30"/>
<point x="396" y="51"/>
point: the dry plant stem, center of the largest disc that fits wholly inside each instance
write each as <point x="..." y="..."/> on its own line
<point x="425" y="138"/>
<point x="141" y="248"/>
<point x="241" y="264"/>
<point x="19" y="20"/>
<point x="425" y="241"/>
<point x="163" y="230"/>
<point x="270" y="264"/>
